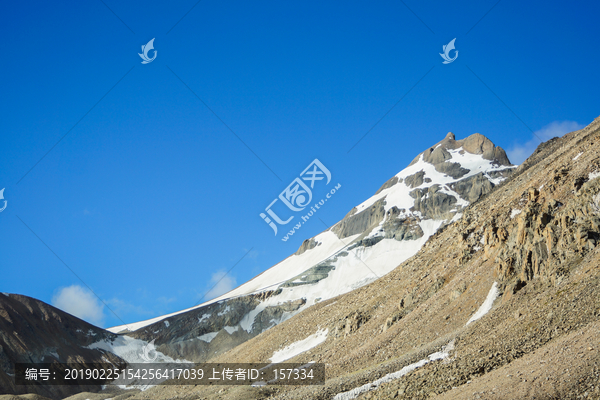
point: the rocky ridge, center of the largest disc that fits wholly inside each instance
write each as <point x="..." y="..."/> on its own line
<point x="32" y="331"/>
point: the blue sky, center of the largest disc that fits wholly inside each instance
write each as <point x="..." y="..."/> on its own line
<point x="150" y="196"/>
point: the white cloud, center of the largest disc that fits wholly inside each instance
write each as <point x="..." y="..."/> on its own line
<point x="81" y="303"/>
<point x="519" y="152"/>
<point x="223" y="284"/>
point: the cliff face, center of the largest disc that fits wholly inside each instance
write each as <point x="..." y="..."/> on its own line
<point x="502" y="303"/>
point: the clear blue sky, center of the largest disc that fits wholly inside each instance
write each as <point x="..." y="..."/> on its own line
<point x="149" y="196"/>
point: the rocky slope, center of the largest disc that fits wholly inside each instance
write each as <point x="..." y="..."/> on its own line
<point x="368" y="243"/>
<point x="507" y="296"/>
<point x="32" y="331"/>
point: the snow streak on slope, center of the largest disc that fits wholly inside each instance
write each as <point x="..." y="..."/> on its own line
<point x="300" y="346"/>
<point x="440" y="355"/>
<point x="354" y="393"/>
<point x="487" y="304"/>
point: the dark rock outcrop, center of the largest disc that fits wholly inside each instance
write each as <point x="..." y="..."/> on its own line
<point x="310" y="276"/>
<point x="359" y="223"/>
<point x="396" y="227"/>
<point x="545" y="237"/>
<point x="473" y="187"/>
<point x="455" y="170"/>
<point x="432" y="203"/>
<point x="179" y="336"/>
<point x="412" y="181"/>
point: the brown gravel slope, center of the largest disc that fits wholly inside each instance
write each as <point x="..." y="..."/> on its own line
<point x="546" y="263"/>
<point x="572" y="358"/>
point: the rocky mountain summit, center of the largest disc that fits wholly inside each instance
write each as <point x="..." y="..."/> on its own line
<point x="368" y="243"/>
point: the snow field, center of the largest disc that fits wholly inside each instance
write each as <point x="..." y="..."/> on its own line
<point x="130" y="350"/>
<point x="270" y="279"/>
<point x="208" y="337"/>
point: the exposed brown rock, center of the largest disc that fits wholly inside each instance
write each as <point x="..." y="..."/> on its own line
<point x="307" y="245"/>
<point x="391" y="182"/>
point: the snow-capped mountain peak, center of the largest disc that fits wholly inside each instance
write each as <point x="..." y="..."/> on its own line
<point x="371" y="240"/>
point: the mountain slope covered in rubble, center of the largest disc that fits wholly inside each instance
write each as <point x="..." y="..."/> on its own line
<point x="501" y="304"/>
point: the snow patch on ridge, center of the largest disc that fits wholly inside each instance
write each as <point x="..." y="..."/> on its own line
<point x="204" y="316"/>
<point x="208" y="337"/>
<point x="231" y="329"/>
